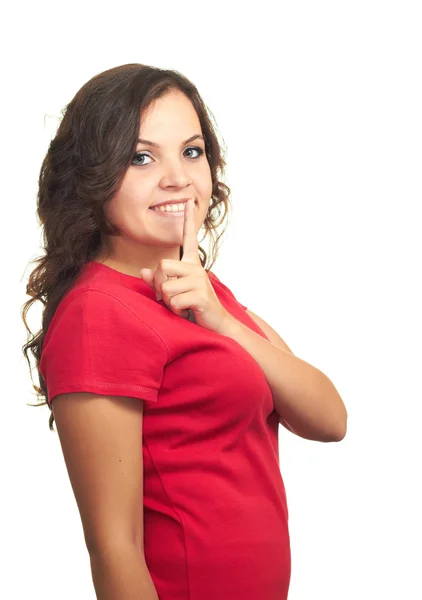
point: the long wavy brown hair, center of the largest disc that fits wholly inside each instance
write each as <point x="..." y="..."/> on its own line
<point x="83" y="169"/>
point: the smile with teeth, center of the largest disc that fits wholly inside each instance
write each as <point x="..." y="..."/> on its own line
<point x="170" y="207"/>
<point x="170" y="210"/>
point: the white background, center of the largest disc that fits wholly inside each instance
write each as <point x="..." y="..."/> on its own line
<point x="319" y="105"/>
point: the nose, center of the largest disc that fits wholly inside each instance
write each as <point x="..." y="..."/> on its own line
<point x="175" y="175"/>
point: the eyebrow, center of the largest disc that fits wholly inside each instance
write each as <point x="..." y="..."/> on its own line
<point x="140" y="141"/>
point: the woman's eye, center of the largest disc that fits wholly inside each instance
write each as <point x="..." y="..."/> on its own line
<point x="139" y="155"/>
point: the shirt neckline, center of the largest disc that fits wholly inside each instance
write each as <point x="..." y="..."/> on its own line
<point x="131" y="281"/>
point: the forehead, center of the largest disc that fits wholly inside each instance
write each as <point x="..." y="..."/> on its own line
<point x="170" y="117"/>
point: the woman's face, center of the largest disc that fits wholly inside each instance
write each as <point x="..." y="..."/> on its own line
<point x="173" y="170"/>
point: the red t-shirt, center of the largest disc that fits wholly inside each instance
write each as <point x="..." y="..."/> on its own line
<point x="215" y="510"/>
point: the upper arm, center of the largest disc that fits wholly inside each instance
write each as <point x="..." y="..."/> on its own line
<point x="101" y="440"/>
<point x="277" y="341"/>
<point x="269" y="332"/>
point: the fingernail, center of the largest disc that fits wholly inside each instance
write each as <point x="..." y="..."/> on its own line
<point x="158" y="296"/>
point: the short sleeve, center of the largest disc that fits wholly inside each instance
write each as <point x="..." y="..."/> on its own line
<point x="227" y="290"/>
<point x="96" y="344"/>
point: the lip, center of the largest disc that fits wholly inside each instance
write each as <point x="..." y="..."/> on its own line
<point x="174" y="201"/>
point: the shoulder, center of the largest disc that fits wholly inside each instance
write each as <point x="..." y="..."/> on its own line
<point x="104" y="315"/>
<point x="271" y="334"/>
<point x="224" y="288"/>
<point x="88" y="304"/>
<point x="96" y="298"/>
<point x="96" y="344"/>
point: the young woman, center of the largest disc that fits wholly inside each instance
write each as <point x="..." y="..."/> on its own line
<point x="167" y="392"/>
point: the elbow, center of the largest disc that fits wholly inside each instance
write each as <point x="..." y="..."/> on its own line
<point x="339" y="420"/>
<point x="340" y="432"/>
<point x="338" y="437"/>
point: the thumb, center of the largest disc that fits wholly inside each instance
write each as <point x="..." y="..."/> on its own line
<point x="148" y="276"/>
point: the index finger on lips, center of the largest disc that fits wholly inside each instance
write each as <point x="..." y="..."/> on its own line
<point x="190" y="242"/>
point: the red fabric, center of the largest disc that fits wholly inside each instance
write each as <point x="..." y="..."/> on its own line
<point x="215" y="510"/>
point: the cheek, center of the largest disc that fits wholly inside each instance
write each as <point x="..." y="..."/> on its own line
<point x="118" y="212"/>
<point x="113" y="211"/>
<point x="128" y="203"/>
<point x="203" y="211"/>
<point x="205" y="187"/>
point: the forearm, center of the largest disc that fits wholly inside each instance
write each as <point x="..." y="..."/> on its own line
<point x="303" y="396"/>
<point x="121" y="573"/>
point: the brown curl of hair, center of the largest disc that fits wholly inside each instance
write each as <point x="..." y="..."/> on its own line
<point x="83" y="169"/>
